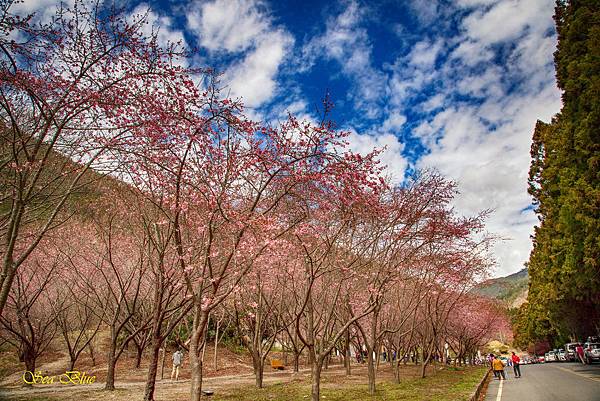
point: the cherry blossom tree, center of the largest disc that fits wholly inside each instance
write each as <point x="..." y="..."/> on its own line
<point x="472" y="323"/>
<point x="30" y="322"/>
<point x="68" y="95"/>
<point x="257" y="308"/>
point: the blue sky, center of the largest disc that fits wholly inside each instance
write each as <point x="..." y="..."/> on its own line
<point x="453" y="85"/>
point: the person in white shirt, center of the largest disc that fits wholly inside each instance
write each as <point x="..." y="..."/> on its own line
<point x="177" y="362"/>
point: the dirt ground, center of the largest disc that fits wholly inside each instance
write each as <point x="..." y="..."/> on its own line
<point x="232" y="375"/>
<point x="131" y="386"/>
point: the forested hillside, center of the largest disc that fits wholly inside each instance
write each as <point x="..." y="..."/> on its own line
<point x="511" y="289"/>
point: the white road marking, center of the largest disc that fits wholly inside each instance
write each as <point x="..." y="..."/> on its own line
<point x="594" y="378"/>
<point x="499" y="396"/>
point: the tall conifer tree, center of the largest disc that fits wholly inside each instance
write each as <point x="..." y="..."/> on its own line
<point x="564" y="180"/>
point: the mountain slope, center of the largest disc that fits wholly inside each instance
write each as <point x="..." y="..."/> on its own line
<point x="511" y="289"/>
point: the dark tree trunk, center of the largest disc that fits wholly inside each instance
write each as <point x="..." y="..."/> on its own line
<point x="152" y="370"/>
<point x="29" y="359"/>
<point x="138" y="355"/>
<point x="111" y="361"/>
<point x="296" y="361"/>
<point x="316" y="379"/>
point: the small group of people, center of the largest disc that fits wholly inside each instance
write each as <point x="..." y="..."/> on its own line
<point x="498" y="366"/>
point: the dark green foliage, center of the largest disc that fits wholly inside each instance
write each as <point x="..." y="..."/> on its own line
<point x="564" y="180"/>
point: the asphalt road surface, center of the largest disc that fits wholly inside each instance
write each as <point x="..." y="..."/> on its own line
<point x="556" y="381"/>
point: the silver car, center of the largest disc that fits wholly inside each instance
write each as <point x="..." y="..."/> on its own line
<point x="591" y="352"/>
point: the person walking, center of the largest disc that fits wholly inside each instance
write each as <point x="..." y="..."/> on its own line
<point x="516" y="361"/>
<point x="498" y="367"/>
<point x="177" y="362"/>
<point x="579" y="351"/>
<point x="490" y="360"/>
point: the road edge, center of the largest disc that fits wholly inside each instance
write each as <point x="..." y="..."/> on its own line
<point x="477" y="393"/>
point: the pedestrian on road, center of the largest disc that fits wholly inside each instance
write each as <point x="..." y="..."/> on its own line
<point x="579" y="351"/>
<point x="177" y="362"/>
<point x="490" y="360"/>
<point x="516" y="364"/>
<point x="498" y="367"/>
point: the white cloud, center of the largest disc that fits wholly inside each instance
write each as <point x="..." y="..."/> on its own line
<point x="483" y="140"/>
<point x="231" y="25"/>
<point x="491" y="166"/>
<point x="391" y="156"/>
<point x="44" y="9"/>
<point x="347" y="42"/>
<point x="433" y="103"/>
<point x="424" y="54"/>
<point x="243" y="28"/>
<point x="253" y="78"/>
<point x="394" y="122"/>
<point x="506" y="20"/>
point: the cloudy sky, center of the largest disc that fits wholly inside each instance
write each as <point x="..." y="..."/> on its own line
<point x="454" y="85"/>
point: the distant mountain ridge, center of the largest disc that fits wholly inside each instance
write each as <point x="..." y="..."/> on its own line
<point x="511" y="289"/>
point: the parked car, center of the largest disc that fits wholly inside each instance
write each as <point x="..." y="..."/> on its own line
<point x="591" y="352"/>
<point x="571" y="351"/>
<point x="551" y="357"/>
<point x="561" y="355"/>
<point x="541" y="359"/>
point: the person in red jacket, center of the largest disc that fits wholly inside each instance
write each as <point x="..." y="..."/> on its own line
<point x="516" y="362"/>
<point x="579" y="351"/>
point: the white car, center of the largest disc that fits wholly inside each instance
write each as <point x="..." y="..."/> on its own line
<point x="562" y="355"/>
<point x="551" y="357"/>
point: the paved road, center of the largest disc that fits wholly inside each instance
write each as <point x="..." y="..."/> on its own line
<point x="566" y="381"/>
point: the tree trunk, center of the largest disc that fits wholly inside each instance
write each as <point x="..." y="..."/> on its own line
<point x="196" y="368"/>
<point x="111" y="361"/>
<point x="198" y="332"/>
<point x="316" y="379"/>
<point x="6" y="279"/>
<point x="29" y="360"/>
<point x="397" y="370"/>
<point x="296" y="361"/>
<point x="152" y="370"/>
<point x="347" y="355"/>
<point x="260" y="371"/>
<point x="258" y="363"/>
<point x="72" y="360"/>
<point x="162" y="364"/>
<point x="92" y="353"/>
<point x="138" y="355"/>
<point x="371" y="370"/>
<point x="216" y="344"/>
<point x="424" y="364"/>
